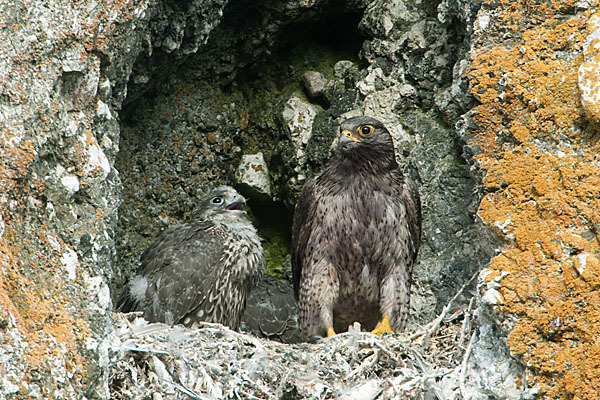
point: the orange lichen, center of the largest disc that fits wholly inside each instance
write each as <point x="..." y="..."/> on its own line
<point x="46" y="316"/>
<point x="544" y="191"/>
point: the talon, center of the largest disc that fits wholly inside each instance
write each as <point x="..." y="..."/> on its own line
<point x="330" y="332"/>
<point x="383" y="327"/>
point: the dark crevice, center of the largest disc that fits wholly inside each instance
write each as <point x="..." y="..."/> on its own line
<point x="273" y="220"/>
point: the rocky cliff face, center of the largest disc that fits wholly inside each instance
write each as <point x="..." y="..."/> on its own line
<point x="534" y="136"/>
<point x="115" y="116"/>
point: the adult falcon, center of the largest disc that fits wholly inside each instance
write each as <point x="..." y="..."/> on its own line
<point x="355" y="237"/>
<point x="202" y="270"/>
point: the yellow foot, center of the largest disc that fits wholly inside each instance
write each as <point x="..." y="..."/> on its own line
<point x="383" y="327"/>
<point x="330" y="332"/>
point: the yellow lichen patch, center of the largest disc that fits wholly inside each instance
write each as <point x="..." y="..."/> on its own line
<point x="7" y="307"/>
<point x="543" y="185"/>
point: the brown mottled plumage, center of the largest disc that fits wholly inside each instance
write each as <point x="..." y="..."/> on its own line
<point x="355" y="236"/>
<point x="271" y="311"/>
<point x="200" y="271"/>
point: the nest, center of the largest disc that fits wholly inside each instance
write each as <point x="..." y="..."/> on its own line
<point x="154" y="360"/>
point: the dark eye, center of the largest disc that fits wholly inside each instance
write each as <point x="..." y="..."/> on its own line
<point x="216" y="200"/>
<point x="366" y="130"/>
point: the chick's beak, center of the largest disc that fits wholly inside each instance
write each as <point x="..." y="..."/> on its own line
<point x="236" y="204"/>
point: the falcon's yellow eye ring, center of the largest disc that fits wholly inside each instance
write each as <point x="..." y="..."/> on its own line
<point x="366" y="130"/>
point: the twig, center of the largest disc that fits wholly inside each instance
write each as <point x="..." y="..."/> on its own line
<point x="249" y="395"/>
<point x="281" y="386"/>
<point x="420" y="362"/>
<point x="394" y="387"/>
<point x="466" y="325"/>
<point x="127" y="346"/>
<point x="125" y="317"/>
<point x="237" y="395"/>
<point x="164" y="376"/>
<point x="386" y="351"/>
<point x="464" y="366"/>
<point x="436" y="325"/>
<point x="366" y="365"/>
<point x="215" y="327"/>
<point x="432" y="327"/>
<point x="256" y="385"/>
<point x="189" y="392"/>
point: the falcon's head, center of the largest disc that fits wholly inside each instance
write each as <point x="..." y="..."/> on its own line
<point x="363" y="133"/>
<point x="366" y="139"/>
<point x="223" y="202"/>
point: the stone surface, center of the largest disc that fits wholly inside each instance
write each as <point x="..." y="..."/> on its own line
<point x="64" y="72"/>
<point x="587" y="75"/>
<point x="60" y="193"/>
<point x="299" y="117"/>
<point x="314" y="82"/>
<point x="492" y="106"/>
<point x="253" y="173"/>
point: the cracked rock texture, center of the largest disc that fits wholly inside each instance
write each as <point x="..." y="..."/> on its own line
<point x="115" y="116"/>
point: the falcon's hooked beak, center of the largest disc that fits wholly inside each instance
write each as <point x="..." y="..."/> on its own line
<point x="348" y="137"/>
<point x="238" y="203"/>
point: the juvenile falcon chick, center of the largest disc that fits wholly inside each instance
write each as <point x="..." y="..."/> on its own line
<point x="271" y="311"/>
<point x="202" y="270"/>
<point x="355" y="236"/>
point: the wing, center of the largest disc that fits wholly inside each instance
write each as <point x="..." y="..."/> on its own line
<point x="402" y="196"/>
<point x="301" y="229"/>
<point x="125" y="303"/>
<point x="396" y="243"/>
<point x="402" y="213"/>
<point x="271" y="311"/>
<point x="181" y="268"/>
<point x="409" y="195"/>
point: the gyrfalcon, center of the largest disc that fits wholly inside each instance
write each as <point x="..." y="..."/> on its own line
<point x="355" y="237"/>
<point x="202" y="270"/>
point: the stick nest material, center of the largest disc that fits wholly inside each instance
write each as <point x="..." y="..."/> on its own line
<point x="154" y="360"/>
